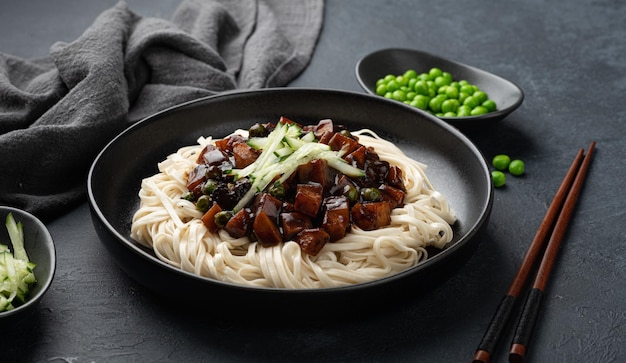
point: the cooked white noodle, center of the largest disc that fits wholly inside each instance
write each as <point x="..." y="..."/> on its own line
<point x="171" y="226"/>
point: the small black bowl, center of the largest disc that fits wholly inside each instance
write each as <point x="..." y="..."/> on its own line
<point x="40" y="249"/>
<point x="507" y="95"/>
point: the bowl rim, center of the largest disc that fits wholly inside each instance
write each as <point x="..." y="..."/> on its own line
<point x="142" y="253"/>
<point x="498" y="114"/>
<point x="48" y="243"/>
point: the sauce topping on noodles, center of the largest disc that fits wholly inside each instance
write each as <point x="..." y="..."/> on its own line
<point x="288" y="182"/>
<point x="268" y="207"/>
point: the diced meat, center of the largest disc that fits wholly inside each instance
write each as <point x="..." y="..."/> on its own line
<point x="268" y="204"/>
<point x="316" y="171"/>
<point x="394" y="178"/>
<point x="212" y="155"/>
<point x="357" y="157"/>
<point x="336" y="219"/>
<point x="370" y="216"/>
<point x="393" y="195"/>
<point x="308" y="198"/>
<point x="209" y="218"/>
<point x="312" y="240"/>
<point x="323" y="127"/>
<point x="244" y="155"/>
<point x="240" y="224"/>
<point x="266" y="230"/>
<point x="226" y="144"/>
<point x="293" y="223"/>
<point x="197" y="176"/>
<point x="341" y="142"/>
<point x="285" y="120"/>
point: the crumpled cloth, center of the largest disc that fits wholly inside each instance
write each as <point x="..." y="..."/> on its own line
<point x="57" y="113"/>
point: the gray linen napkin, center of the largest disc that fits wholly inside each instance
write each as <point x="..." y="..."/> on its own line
<point x="57" y="113"/>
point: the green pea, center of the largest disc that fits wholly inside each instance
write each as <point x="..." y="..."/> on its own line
<point x="449" y="114"/>
<point x="464" y="111"/>
<point x="381" y="89"/>
<point x="441" y="81"/>
<point x="480" y="96"/>
<point x="389" y="77"/>
<point x="222" y="218"/>
<point x="421" y="101"/>
<point x="410" y="73"/>
<point x="466" y="88"/>
<point x="471" y="102"/>
<point x="498" y="178"/>
<point x="462" y="97"/>
<point x="421" y="87"/>
<point x="423" y="77"/>
<point x="490" y="105"/>
<point x="399" y="95"/>
<point x="501" y="161"/>
<point x="452" y="92"/>
<point x="435" y="103"/>
<point x="370" y="194"/>
<point x="435" y="72"/>
<point x="402" y="80"/>
<point x="450" y="105"/>
<point x="478" y="110"/>
<point x="209" y="186"/>
<point x="411" y="83"/>
<point x="188" y="196"/>
<point x="203" y="203"/>
<point x="392" y="85"/>
<point x="516" y="167"/>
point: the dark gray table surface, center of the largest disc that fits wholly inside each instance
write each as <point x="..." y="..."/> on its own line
<point x="569" y="57"/>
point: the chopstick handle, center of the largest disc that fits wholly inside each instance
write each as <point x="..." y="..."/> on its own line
<point x="526" y="325"/>
<point x="494" y="330"/>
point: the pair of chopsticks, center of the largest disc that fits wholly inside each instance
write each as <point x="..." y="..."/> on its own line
<point x="555" y="222"/>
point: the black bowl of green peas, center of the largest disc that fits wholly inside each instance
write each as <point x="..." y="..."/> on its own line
<point x="461" y="95"/>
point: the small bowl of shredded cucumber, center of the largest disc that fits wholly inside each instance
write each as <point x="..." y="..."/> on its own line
<point x="27" y="263"/>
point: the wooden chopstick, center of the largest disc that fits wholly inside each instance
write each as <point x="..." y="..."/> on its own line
<point x="505" y="308"/>
<point x="530" y="312"/>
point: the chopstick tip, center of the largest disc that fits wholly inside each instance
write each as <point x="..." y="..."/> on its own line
<point x="517" y="353"/>
<point x="481" y="356"/>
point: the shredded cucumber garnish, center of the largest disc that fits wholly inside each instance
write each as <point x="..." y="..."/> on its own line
<point x="16" y="271"/>
<point x="283" y="150"/>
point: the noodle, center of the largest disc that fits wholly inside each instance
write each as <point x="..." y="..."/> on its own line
<point x="171" y="226"/>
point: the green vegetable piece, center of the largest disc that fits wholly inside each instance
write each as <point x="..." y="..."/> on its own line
<point x="501" y="161"/>
<point x="209" y="186"/>
<point x="277" y="190"/>
<point x="498" y="178"/>
<point x="370" y="194"/>
<point x="203" y="203"/>
<point x="16" y="271"/>
<point x="16" y="234"/>
<point x="188" y="196"/>
<point x="221" y="218"/>
<point x="516" y="167"/>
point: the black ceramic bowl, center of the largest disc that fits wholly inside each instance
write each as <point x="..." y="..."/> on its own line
<point x="40" y="249"/>
<point x="455" y="167"/>
<point x="507" y="95"/>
